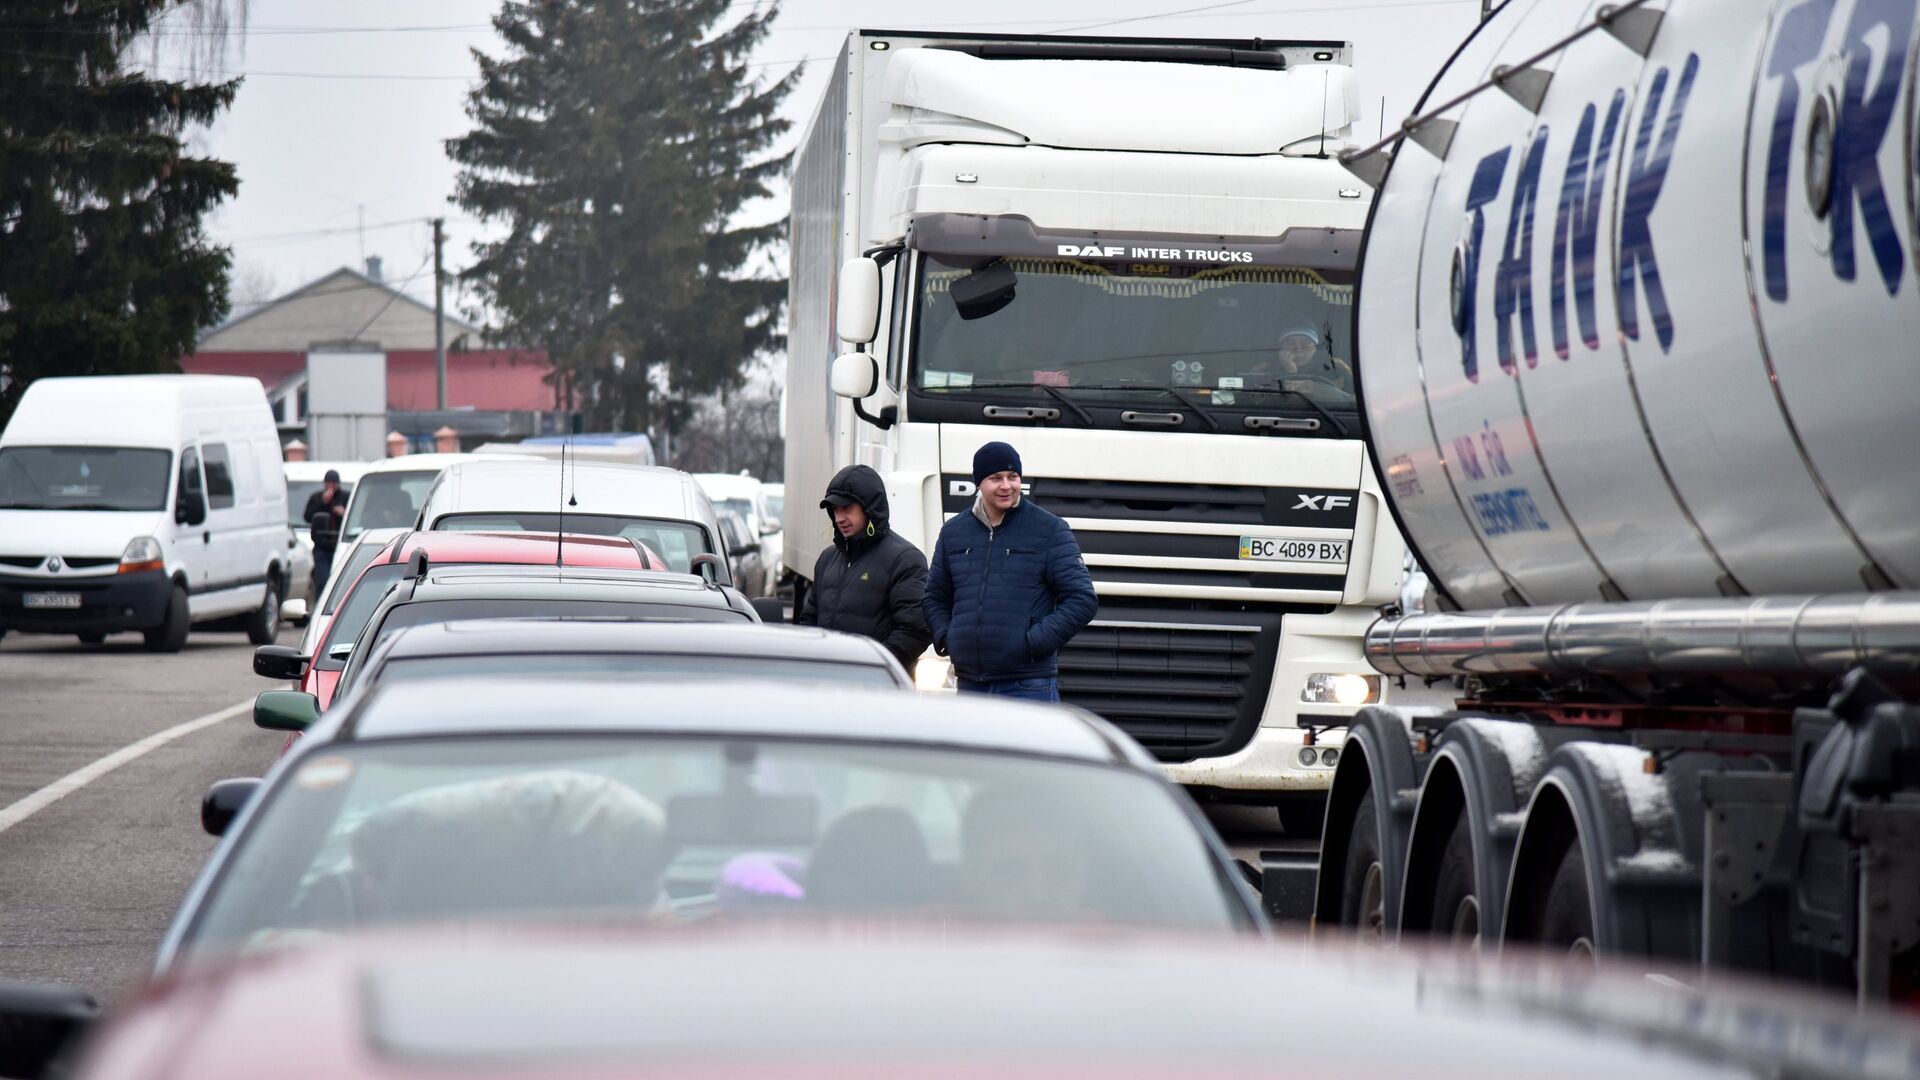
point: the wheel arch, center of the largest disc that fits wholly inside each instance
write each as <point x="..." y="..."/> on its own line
<point x="1484" y="767"/>
<point x="1377" y="756"/>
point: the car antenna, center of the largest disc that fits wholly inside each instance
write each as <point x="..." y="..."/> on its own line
<point x="560" y="526"/>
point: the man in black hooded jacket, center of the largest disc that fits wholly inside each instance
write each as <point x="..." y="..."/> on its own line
<point x="871" y="581"/>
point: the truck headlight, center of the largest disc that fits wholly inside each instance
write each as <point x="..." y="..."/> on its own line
<point x="934" y="674"/>
<point x="1333" y="688"/>
<point x="143" y="553"/>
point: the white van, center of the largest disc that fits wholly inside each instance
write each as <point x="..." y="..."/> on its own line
<point x="142" y="502"/>
<point x="662" y="508"/>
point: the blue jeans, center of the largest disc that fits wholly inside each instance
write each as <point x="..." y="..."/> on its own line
<point x="1042" y="689"/>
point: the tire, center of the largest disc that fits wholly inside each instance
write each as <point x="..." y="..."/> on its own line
<point x="1456" y="908"/>
<point x="171" y="635"/>
<point x="91" y="637"/>
<point x="264" y="624"/>
<point x="1566" y="919"/>
<point x="1362" y="879"/>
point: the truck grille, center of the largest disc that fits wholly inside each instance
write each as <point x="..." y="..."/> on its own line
<point x="1180" y="687"/>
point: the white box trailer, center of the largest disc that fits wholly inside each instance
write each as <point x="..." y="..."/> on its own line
<point x="1093" y="249"/>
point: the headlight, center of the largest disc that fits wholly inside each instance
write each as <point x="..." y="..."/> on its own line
<point x="934" y="674"/>
<point x="143" y="553"/>
<point x="1327" y="688"/>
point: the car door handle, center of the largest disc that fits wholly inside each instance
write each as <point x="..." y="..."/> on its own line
<point x="207" y="537"/>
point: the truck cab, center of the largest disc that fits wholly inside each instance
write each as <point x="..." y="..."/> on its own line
<point x="1098" y="252"/>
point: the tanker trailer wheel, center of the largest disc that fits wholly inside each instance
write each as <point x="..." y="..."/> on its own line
<point x="1566" y="918"/>
<point x="1363" y="888"/>
<point x="1456" y="910"/>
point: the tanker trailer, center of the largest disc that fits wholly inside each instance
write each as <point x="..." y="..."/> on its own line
<point x="1639" y="353"/>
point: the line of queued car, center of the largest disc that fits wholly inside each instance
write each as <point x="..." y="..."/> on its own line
<point x="556" y="800"/>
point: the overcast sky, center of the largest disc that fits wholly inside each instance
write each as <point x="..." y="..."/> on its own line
<point x="346" y="104"/>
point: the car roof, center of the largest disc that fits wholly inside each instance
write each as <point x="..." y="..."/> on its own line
<point x="571" y="549"/>
<point x="514" y="999"/>
<point x="316" y="471"/>
<point x="519" y="485"/>
<point x="481" y="580"/>
<point x="610" y="705"/>
<point x="497" y="637"/>
<point x="420" y="463"/>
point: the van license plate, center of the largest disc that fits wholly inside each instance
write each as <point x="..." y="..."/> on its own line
<point x="51" y="599"/>
<point x="1275" y="549"/>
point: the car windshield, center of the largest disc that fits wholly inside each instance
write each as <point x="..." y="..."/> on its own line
<point x="1252" y="336"/>
<point x="628" y="665"/>
<point x="359" y="557"/>
<point x="387" y="500"/>
<point x="298" y="492"/>
<point x="677" y="829"/>
<point x="676" y="542"/>
<point x="362" y="597"/>
<point x="83" y="478"/>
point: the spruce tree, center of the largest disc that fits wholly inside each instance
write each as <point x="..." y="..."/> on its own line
<point x="617" y="140"/>
<point x="105" y="267"/>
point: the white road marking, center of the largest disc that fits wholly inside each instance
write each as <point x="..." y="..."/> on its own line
<point x="87" y="774"/>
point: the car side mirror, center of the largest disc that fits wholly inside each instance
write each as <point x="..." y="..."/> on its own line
<point x="858" y="318"/>
<point x="699" y="563"/>
<point x="769" y="609"/>
<point x="745" y="549"/>
<point x="280" y="661"/>
<point x="190" y="508"/>
<point x="224" y="801"/>
<point x="855" y="375"/>
<point x="285" y="710"/>
<point x="40" y="1026"/>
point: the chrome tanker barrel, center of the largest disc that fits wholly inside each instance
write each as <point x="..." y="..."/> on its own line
<point x="1639" y="306"/>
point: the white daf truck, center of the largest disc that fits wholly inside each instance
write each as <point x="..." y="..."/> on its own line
<point x="1133" y="260"/>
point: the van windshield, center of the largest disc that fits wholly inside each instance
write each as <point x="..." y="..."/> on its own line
<point x="84" y="478"/>
<point x="387" y="500"/>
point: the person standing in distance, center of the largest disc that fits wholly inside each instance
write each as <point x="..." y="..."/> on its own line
<point x="871" y="581"/>
<point x="1007" y="587"/>
<point x="326" y="510"/>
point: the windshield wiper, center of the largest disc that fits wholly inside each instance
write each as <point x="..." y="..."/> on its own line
<point x="1181" y="396"/>
<point x="1085" y="416"/>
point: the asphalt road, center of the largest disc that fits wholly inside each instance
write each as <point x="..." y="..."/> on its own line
<point x="89" y="882"/>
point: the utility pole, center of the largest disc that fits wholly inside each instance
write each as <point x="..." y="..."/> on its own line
<point x="439" y="323"/>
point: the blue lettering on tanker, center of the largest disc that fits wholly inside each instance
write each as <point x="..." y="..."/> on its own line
<point x="1509" y="511"/>
<point x="1486" y="185"/>
<point x="1801" y="32"/>
<point x="1646" y="174"/>
<point x="1576" y="229"/>
<point x="1513" y="279"/>
<point x="1864" y="118"/>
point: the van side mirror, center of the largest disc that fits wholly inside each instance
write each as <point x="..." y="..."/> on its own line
<point x="285" y="710"/>
<point x="858" y="318"/>
<point x="190" y="508"/>
<point x="855" y="375"/>
<point x="224" y="801"/>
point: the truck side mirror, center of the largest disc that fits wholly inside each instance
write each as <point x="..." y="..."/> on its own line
<point x="858" y="318"/>
<point x="855" y="375"/>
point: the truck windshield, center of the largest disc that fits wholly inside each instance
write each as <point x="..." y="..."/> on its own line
<point x="1240" y="337"/>
<point x="83" y="478"/>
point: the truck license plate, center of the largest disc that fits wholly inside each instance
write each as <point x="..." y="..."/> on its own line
<point x="51" y="600"/>
<point x="1274" y="549"/>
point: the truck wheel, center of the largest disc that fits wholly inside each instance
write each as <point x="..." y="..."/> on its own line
<point x="171" y="634"/>
<point x="1363" y="892"/>
<point x="91" y="637"/>
<point x="1567" y="921"/>
<point x="1456" y="910"/>
<point x="264" y="623"/>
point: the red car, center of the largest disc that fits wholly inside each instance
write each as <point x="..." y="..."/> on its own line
<point x="319" y="674"/>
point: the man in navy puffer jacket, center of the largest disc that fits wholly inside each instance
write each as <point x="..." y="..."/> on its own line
<point x="1007" y="587"/>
